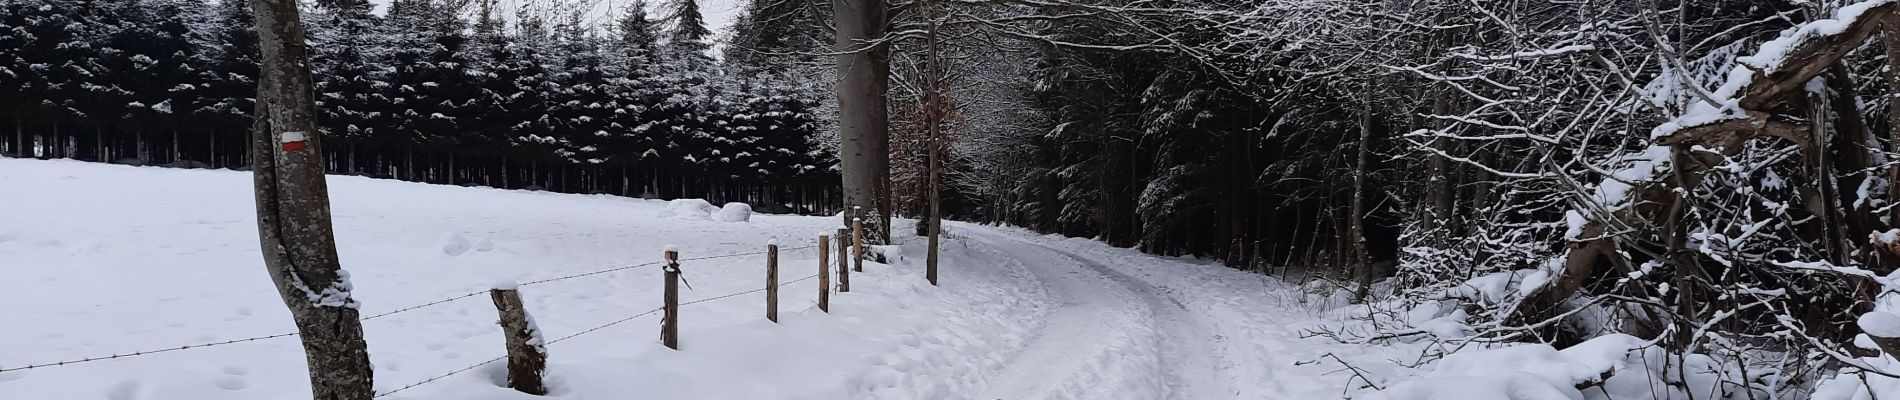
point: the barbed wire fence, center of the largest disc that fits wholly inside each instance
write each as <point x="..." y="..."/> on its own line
<point x="451" y="299"/>
<point x="582" y="332"/>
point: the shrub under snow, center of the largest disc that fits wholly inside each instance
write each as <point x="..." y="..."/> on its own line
<point x="734" y="212"/>
<point x="693" y="209"/>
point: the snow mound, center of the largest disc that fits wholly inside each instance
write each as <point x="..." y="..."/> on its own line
<point x="689" y="209"/>
<point x="1615" y="362"/>
<point x="734" y="212"/>
<point x="891" y="254"/>
<point x="1880" y="323"/>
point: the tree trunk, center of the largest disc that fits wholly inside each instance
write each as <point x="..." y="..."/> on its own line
<point x="1357" y="221"/>
<point x="1856" y="150"/>
<point x="409" y="164"/>
<point x="1890" y="39"/>
<point x="19" y="139"/>
<point x="293" y="211"/>
<point x="934" y="109"/>
<point x="863" y="118"/>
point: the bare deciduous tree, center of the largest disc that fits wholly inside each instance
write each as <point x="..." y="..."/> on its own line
<point x="293" y="211"/>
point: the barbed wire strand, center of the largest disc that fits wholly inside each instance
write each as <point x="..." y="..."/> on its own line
<point x="756" y="253"/>
<point x="584" y="332"/>
<point x="407" y="309"/>
<point x="437" y="377"/>
<point x="585" y="274"/>
<point x="145" y="352"/>
<point x="419" y="306"/>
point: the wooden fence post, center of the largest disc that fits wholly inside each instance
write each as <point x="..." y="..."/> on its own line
<point x="670" y="321"/>
<point x="771" y="281"/>
<point x="824" y="272"/>
<point x="857" y="244"/>
<point x="844" y="263"/>
<point x="527" y="355"/>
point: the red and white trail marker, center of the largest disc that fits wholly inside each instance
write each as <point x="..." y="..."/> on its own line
<point x="295" y="141"/>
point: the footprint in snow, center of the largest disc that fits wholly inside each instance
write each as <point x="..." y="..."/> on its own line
<point x="127" y="390"/>
<point x="232" y="383"/>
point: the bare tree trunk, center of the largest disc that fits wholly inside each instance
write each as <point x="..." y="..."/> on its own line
<point x="863" y="117"/>
<point x="1439" y="193"/>
<point x="408" y="164"/>
<point x="1890" y="39"/>
<point x="1357" y="221"/>
<point x="293" y="211"/>
<point x="934" y="110"/>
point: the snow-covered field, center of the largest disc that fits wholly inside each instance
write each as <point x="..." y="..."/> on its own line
<point x="103" y="259"/>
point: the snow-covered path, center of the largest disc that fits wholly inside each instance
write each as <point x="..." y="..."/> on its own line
<point x="1207" y="331"/>
<point x="1111" y="337"/>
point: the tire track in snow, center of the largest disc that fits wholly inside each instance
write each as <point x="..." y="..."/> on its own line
<point x="1110" y="337"/>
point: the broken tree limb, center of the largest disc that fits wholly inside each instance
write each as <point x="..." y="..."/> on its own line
<point x="1810" y="56"/>
<point x="1766" y="101"/>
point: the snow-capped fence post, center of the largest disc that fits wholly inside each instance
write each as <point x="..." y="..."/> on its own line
<point x="857" y="244"/>
<point x="527" y="353"/>
<point x="771" y="281"/>
<point x="670" y="317"/>
<point x="824" y="272"/>
<point x="844" y="262"/>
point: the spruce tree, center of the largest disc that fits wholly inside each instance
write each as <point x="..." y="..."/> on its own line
<point x="777" y="35"/>
<point x="14" y="74"/>
<point x="158" y="73"/>
<point x="687" y="37"/>
<point x="635" y="86"/>
<point x="346" y="66"/>
<point x="230" y="92"/>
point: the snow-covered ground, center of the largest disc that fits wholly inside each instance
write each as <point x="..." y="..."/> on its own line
<point x="104" y="259"/>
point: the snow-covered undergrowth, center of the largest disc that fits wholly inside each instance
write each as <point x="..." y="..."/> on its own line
<point x="103" y="259"/>
<point x="1454" y="357"/>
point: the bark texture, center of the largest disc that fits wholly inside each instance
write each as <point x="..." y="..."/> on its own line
<point x="824" y="273"/>
<point x="771" y="283"/>
<point x="527" y="354"/>
<point x="293" y="211"/>
<point x="863" y="115"/>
